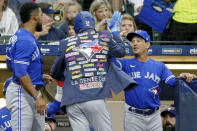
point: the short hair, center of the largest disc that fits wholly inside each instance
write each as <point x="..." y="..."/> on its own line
<point x="26" y="11"/>
<point x="127" y="16"/>
<point x="76" y="4"/>
<point x="5" y="5"/>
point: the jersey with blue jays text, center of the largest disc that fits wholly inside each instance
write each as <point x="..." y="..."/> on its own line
<point x="84" y="60"/>
<point x="23" y="56"/>
<point x="5" y="117"/>
<point x="149" y="76"/>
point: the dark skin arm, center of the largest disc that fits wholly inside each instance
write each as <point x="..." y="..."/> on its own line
<point x="40" y="102"/>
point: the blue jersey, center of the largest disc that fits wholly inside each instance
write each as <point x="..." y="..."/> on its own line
<point x="84" y="62"/>
<point x="5" y="117"/>
<point x="23" y="56"/>
<point x="149" y="76"/>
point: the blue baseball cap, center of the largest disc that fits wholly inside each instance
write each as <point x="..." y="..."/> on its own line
<point x="49" y="10"/>
<point x="50" y="117"/>
<point x="141" y="33"/>
<point x="171" y="110"/>
<point x="84" y="20"/>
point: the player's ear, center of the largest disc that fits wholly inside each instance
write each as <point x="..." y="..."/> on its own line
<point x="147" y="45"/>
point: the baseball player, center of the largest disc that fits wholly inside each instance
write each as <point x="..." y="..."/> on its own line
<point x="24" y="58"/>
<point x="142" y="103"/>
<point x="5" y="115"/>
<point x="169" y="119"/>
<point x="84" y="63"/>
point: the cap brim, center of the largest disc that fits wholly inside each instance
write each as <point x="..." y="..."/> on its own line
<point x="132" y="34"/>
<point x="166" y="112"/>
<point x="49" y="11"/>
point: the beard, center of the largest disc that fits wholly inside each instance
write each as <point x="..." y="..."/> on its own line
<point x="167" y="128"/>
<point x="39" y="27"/>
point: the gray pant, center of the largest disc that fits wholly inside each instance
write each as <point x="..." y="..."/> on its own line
<point x="138" y="122"/>
<point x="24" y="116"/>
<point x="95" y="112"/>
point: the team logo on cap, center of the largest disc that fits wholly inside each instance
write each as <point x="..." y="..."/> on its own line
<point x="170" y="108"/>
<point x="89" y="49"/>
<point x="87" y="23"/>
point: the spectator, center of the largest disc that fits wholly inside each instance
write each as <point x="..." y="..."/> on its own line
<point x="184" y="22"/>
<point x="169" y="119"/>
<point x="142" y="103"/>
<point x="49" y="33"/>
<point x="71" y="9"/>
<point x="127" y="25"/>
<point x="8" y="20"/>
<point x="50" y="123"/>
<point x="138" y="4"/>
<point x="71" y="29"/>
<point x="15" y="5"/>
<point x="101" y="10"/>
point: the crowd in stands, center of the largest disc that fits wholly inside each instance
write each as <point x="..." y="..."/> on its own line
<point x="181" y="26"/>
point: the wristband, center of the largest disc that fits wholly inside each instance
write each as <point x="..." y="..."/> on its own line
<point x="36" y="98"/>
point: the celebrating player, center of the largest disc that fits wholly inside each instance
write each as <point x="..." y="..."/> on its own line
<point x="142" y="103"/>
<point x="84" y="60"/>
<point x="24" y="58"/>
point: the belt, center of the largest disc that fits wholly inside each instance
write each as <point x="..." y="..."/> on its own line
<point x="144" y="112"/>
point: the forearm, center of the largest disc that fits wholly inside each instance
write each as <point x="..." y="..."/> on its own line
<point x="117" y="46"/>
<point x="28" y="86"/>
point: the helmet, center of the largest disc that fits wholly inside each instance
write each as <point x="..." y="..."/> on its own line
<point x="84" y="20"/>
<point x="50" y="118"/>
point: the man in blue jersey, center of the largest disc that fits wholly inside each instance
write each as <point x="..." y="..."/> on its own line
<point x="142" y="103"/>
<point x="24" y="58"/>
<point x="84" y="63"/>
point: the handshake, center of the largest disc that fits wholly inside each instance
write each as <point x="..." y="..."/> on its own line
<point x="115" y="23"/>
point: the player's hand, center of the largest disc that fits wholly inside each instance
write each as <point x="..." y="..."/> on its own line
<point x="189" y="77"/>
<point x="41" y="106"/>
<point x="47" y="78"/>
<point x="115" y="23"/>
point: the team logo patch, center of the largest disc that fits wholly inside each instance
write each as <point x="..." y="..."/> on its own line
<point x="103" y="60"/>
<point x="89" y="74"/>
<point x="83" y="34"/>
<point x="104" y="35"/>
<point x="100" y="64"/>
<point x="83" y="37"/>
<point x="76" y="72"/>
<point x="69" y="48"/>
<point x="155" y="90"/>
<point x="72" y="63"/>
<point x="70" y="58"/>
<point x="89" y="49"/>
<point x="77" y="76"/>
<point x="105" y="39"/>
<point x="106" y="48"/>
<point x="75" y="67"/>
<point x="91" y="85"/>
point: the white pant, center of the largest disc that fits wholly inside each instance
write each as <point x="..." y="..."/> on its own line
<point x="24" y="116"/>
<point x="94" y="112"/>
<point x="139" y="122"/>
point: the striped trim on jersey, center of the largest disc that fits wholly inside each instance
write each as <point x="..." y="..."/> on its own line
<point x="168" y="78"/>
<point x="21" y="62"/>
